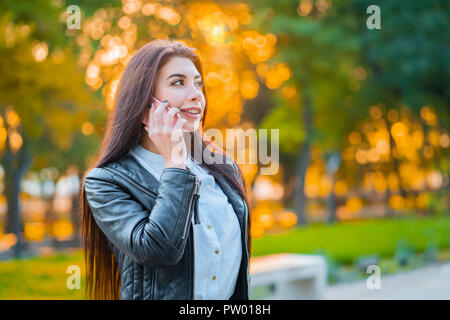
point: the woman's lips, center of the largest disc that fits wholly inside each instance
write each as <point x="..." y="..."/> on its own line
<point x="190" y="115"/>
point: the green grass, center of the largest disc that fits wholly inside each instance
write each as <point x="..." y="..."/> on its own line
<point x="40" y="278"/>
<point x="342" y="243"/>
<point x="345" y="242"/>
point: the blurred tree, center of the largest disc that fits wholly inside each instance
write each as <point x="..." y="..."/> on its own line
<point x="315" y="106"/>
<point x="43" y="101"/>
<point x="407" y="69"/>
<point x="407" y="60"/>
<point x="341" y="70"/>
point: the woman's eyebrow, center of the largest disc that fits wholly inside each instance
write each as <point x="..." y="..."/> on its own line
<point x="181" y="75"/>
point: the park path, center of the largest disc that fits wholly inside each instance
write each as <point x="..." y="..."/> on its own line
<point x="431" y="282"/>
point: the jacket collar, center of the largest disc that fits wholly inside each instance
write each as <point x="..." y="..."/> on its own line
<point x="131" y="167"/>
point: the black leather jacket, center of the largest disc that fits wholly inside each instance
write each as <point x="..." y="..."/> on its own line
<point x="148" y="225"/>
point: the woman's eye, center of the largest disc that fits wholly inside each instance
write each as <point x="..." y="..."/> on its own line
<point x="200" y="83"/>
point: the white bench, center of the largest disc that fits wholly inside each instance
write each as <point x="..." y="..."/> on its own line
<point x="292" y="276"/>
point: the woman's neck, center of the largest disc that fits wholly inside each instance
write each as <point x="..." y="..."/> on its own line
<point x="148" y="144"/>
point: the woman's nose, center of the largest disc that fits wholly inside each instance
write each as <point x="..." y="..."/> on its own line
<point x="195" y="92"/>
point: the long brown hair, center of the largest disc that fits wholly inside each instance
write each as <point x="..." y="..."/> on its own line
<point x="123" y="131"/>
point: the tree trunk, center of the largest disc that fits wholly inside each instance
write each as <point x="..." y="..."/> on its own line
<point x="333" y="164"/>
<point x="396" y="164"/>
<point x="303" y="162"/>
<point x="50" y="219"/>
<point x="13" y="221"/>
<point x="16" y="165"/>
<point x="387" y="208"/>
<point x="332" y="202"/>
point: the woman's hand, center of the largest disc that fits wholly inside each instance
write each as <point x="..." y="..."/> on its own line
<point x="164" y="128"/>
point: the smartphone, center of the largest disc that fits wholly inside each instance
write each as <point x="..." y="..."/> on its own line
<point x="150" y="105"/>
<point x="177" y="115"/>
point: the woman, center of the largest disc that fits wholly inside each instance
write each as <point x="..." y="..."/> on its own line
<point x="156" y="222"/>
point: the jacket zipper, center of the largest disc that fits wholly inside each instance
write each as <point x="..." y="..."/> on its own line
<point x="196" y="217"/>
<point x="149" y="192"/>
<point x="196" y="195"/>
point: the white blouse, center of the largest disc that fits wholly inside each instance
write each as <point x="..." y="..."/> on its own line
<point x="217" y="239"/>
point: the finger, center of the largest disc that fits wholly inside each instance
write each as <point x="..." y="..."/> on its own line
<point x="155" y="101"/>
<point x="159" y="112"/>
<point x="179" y="124"/>
<point x="178" y="129"/>
<point x="169" y="117"/>
<point x="175" y="119"/>
<point x="156" y="115"/>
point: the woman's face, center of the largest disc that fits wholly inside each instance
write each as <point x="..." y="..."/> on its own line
<point x="180" y="84"/>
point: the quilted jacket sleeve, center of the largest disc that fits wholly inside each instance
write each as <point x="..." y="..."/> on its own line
<point x="155" y="237"/>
